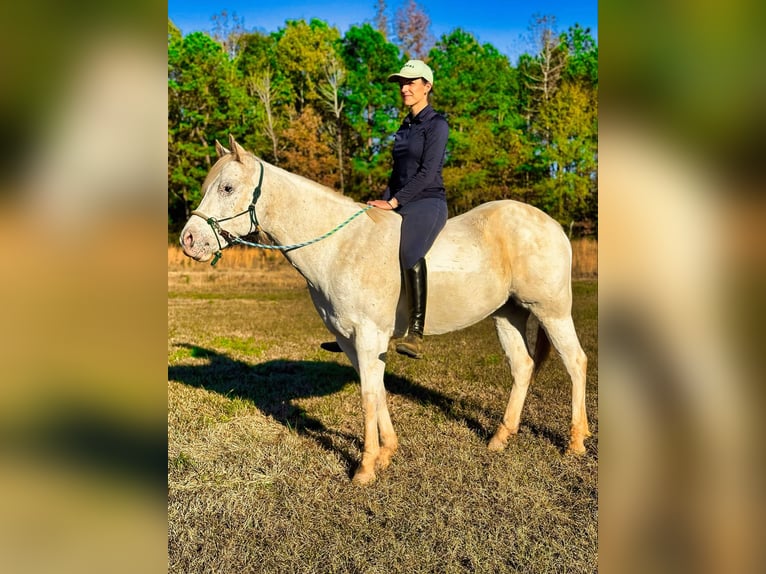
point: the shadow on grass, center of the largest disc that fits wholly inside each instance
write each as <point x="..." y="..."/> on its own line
<point x="556" y="439"/>
<point x="274" y="385"/>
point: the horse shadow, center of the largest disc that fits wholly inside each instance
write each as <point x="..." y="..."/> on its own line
<point x="273" y="387"/>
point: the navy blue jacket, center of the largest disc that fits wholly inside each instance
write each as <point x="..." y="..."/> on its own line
<point x="419" y="148"/>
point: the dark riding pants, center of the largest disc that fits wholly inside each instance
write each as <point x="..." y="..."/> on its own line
<point x="422" y="220"/>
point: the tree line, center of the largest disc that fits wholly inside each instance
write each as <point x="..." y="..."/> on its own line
<point x="318" y="104"/>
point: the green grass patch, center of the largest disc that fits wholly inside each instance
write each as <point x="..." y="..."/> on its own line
<point x="585" y="288"/>
<point x="245" y="346"/>
<point x="182" y="461"/>
<point x="179" y="353"/>
<point x="493" y="359"/>
<point x="234" y="406"/>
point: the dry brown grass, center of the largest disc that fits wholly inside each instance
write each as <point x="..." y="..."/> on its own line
<point x="585" y="258"/>
<point x="264" y="432"/>
<point x="239" y="257"/>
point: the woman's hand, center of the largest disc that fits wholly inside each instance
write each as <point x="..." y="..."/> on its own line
<point x="382" y="204"/>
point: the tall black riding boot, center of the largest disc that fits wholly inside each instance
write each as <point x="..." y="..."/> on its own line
<point x="416" y="290"/>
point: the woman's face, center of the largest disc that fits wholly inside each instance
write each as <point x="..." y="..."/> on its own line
<point x="414" y="92"/>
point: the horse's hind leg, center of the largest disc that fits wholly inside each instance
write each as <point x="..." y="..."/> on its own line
<point x="511" y="323"/>
<point x="562" y="335"/>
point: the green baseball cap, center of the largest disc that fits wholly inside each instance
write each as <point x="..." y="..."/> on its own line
<point x="413" y="69"/>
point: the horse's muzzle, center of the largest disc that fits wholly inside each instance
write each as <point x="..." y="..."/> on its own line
<point x="195" y="244"/>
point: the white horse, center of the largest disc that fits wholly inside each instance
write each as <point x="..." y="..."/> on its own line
<point x="503" y="258"/>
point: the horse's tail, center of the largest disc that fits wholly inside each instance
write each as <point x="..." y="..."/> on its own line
<point x="542" y="348"/>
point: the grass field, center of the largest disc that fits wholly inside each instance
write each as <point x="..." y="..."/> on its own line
<point x="264" y="432"/>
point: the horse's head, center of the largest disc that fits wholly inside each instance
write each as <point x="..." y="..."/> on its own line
<point x="230" y="191"/>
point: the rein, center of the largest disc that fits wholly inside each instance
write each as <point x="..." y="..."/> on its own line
<point x="254" y="226"/>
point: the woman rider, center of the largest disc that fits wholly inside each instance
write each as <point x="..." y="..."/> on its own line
<point x="416" y="191"/>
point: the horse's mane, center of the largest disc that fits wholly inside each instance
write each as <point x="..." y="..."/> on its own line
<point x="301" y="181"/>
<point x="294" y="179"/>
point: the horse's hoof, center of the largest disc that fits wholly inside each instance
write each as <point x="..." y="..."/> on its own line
<point x="384" y="458"/>
<point x="577" y="440"/>
<point x="363" y="478"/>
<point x="497" y="444"/>
<point x="576" y="449"/>
<point x="500" y="439"/>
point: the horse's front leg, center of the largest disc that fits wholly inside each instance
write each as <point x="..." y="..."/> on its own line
<point x="365" y="472"/>
<point x="380" y="441"/>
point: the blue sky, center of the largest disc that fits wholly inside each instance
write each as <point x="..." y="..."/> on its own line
<point x="502" y="23"/>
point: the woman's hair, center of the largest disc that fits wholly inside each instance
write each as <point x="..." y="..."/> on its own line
<point x="431" y="91"/>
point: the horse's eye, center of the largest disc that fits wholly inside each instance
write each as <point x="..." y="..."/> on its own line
<point x="228" y="188"/>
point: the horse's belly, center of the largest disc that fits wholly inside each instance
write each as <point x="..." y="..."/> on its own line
<point x="458" y="300"/>
<point x="466" y="283"/>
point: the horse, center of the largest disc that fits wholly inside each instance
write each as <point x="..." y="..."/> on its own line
<point x="504" y="259"/>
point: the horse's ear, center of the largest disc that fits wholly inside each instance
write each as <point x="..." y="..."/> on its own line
<point x="239" y="151"/>
<point x="220" y="150"/>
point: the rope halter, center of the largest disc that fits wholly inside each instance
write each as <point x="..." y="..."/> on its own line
<point x="231" y="239"/>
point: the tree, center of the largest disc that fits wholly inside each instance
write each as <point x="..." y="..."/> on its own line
<point x="582" y="64"/>
<point x="372" y="107"/>
<point x="228" y="31"/>
<point x="582" y="70"/>
<point x="301" y="54"/>
<point x="551" y="58"/>
<point x="330" y="92"/>
<point x="174" y="35"/>
<point x="472" y="81"/>
<point x="475" y="87"/>
<point x="413" y="31"/>
<point x="308" y="151"/>
<point x="271" y="94"/>
<point x="569" y="154"/>
<point x="262" y="87"/>
<point x="321" y="106"/>
<point x="559" y="100"/>
<point x="381" y="20"/>
<point x="206" y="101"/>
<point x="257" y="52"/>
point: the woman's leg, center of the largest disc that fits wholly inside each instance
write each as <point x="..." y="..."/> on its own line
<point x="421" y="223"/>
<point x="416" y="289"/>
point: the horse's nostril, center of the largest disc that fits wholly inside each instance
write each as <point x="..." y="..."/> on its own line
<point x="188" y="239"/>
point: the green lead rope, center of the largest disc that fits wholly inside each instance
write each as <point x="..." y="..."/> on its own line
<point x="340" y="226"/>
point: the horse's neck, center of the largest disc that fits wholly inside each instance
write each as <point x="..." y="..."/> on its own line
<point x="294" y="211"/>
